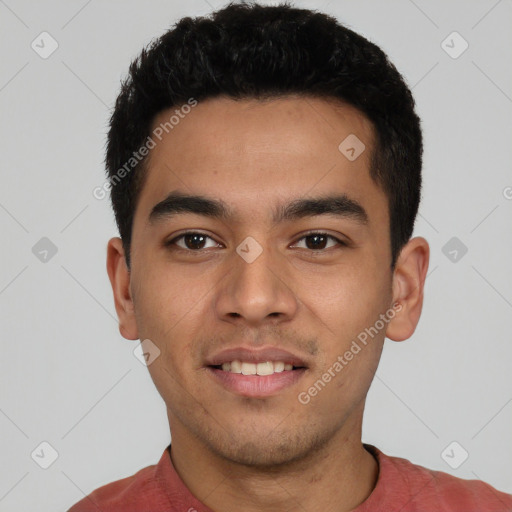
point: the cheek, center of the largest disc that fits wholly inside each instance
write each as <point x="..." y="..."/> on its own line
<point x="348" y="304"/>
<point x="168" y="320"/>
<point x="164" y="297"/>
<point x="165" y="309"/>
<point x="347" y="297"/>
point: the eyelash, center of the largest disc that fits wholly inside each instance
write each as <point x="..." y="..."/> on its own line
<point x="172" y="243"/>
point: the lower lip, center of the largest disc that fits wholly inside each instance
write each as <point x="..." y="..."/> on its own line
<point x="257" y="386"/>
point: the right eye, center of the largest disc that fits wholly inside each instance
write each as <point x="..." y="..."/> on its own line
<point x="193" y="241"/>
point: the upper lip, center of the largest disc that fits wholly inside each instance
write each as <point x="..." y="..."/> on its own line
<point x="254" y="356"/>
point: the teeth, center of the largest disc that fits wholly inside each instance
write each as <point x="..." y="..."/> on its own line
<point x="278" y="366"/>
<point x="236" y="367"/>
<point x="248" y="369"/>
<point x="266" y="368"/>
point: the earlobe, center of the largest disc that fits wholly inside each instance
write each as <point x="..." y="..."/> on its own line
<point x="408" y="286"/>
<point x="119" y="276"/>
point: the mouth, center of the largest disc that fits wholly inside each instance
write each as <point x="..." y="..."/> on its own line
<point x="261" y="369"/>
<point x="256" y="373"/>
<point x="256" y="380"/>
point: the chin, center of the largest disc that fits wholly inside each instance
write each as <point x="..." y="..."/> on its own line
<point x="269" y="450"/>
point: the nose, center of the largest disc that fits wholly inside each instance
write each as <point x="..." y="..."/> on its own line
<point x="257" y="291"/>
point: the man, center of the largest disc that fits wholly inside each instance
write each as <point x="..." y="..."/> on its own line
<point x="265" y="173"/>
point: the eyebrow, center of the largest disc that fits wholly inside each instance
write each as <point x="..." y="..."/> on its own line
<point x="339" y="205"/>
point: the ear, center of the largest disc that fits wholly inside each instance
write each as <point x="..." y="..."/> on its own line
<point x="119" y="276"/>
<point x="408" y="283"/>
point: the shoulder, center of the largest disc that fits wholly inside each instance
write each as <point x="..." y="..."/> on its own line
<point x="127" y="494"/>
<point x="445" y="492"/>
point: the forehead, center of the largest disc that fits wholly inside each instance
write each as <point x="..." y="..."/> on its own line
<point x="254" y="153"/>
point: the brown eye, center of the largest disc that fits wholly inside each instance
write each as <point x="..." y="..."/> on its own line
<point x="318" y="241"/>
<point x="191" y="241"/>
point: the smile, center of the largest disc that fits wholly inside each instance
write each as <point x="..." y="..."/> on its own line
<point x="248" y="368"/>
<point x="256" y="380"/>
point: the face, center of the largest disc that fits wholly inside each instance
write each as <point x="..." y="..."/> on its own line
<point x="262" y="276"/>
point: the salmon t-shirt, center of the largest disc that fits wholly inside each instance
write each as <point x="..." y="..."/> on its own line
<point x="401" y="487"/>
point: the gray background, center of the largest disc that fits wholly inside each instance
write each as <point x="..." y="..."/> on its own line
<point x="70" y="379"/>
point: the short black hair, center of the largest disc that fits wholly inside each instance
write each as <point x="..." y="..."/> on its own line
<point x="251" y="51"/>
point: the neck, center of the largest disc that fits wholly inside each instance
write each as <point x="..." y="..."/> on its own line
<point x="336" y="478"/>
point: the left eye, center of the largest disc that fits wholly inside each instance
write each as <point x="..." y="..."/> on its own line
<point x="319" y="240"/>
<point x="195" y="241"/>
